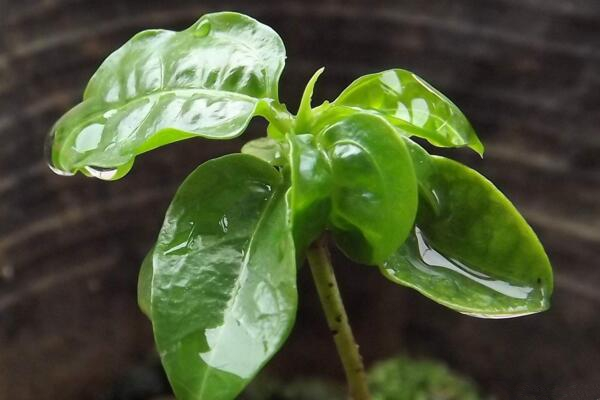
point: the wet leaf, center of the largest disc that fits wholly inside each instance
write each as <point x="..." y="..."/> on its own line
<point x="424" y="170"/>
<point x="475" y="253"/>
<point x="224" y="286"/>
<point x="144" y="288"/>
<point x="373" y="189"/>
<point x="267" y="149"/>
<point x="412" y="105"/>
<point x="163" y="86"/>
<point x="310" y="192"/>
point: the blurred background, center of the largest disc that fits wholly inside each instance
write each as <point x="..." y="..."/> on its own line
<point x="527" y="74"/>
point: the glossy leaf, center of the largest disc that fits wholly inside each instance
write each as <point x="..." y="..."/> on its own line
<point x="373" y="189"/>
<point x="224" y="286"/>
<point x="424" y="171"/>
<point x="475" y="253"/>
<point x="267" y="149"/>
<point x="144" y="287"/>
<point x="310" y="192"/>
<point x="163" y="86"/>
<point x="223" y="51"/>
<point x="412" y="105"/>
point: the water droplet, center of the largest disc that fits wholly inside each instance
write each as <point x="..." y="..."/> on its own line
<point x="60" y="172"/>
<point x="433" y="258"/>
<point x="224" y="223"/>
<point x="49" y="142"/>
<point x="499" y="316"/>
<point x="464" y="287"/>
<point x="106" y="174"/>
<point x="202" y="29"/>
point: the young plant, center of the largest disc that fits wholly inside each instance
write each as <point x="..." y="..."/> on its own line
<point x="220" y="283"/>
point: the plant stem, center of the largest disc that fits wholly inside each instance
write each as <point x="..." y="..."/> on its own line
<point x="337" y="320"/>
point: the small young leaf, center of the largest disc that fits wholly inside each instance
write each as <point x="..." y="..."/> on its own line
<point x="303" y="120"/>
<point x="267" y="149"/>
<point x="475" y="253"/>
<point x="373" y="190"/>
<point x="224" y="287"/>
<point x="412" y="105"/>
<point x="162" y="86"/>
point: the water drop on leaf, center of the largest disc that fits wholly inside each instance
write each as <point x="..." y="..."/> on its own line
<point x="106" y="174"/>
<point x="60" y="172"/>
<point x="48" y="156"/>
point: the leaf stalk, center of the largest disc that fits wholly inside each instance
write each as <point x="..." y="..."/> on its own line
<point x="323" y="274"/>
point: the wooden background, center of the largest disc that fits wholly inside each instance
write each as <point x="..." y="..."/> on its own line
<point x="527" y="73"/>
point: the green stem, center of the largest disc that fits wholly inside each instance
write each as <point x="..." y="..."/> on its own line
<point x="337" y="320"/>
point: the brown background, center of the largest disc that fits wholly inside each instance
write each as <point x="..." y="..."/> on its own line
<point x="527" y="73"/>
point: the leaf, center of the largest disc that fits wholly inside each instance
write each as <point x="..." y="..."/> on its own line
<point x="144" y="288"/>
<point x="424" y="170"/>
<point x="224" y="287"/>
<point x="267" y="149"/>
<point x="373" y="189"/>
<point x="305" y="111"/>
<point x="222" y="51"/>
<point x="412" y="105"/>
<point x="475" y="253"/>
<point x="310" y="191"/>
<point x="162" y="86"/>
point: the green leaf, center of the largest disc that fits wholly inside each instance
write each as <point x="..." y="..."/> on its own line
<point x="162" y="86"/>
<point x="144" y="288"/>
<point x="222" y="51"/>
<point x="310" y="192"/>
<point x="224" y="287"/>
<point x="475" y="253"/>
<point x="305" y="114"/>
<point x="412" y="105"/>
<point x="424" y="170"/>
<point x="373" y="189"/>
<point x="267" y="149"/>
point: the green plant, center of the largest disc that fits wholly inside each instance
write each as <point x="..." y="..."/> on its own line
<point x="220" y="283"/>
<point x="403" y="378"/>
<point x="397" y="378"/>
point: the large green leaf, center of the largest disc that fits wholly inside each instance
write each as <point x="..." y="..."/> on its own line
<point x="224" y="286"/>
<point x="413" y="105"/>
<point x="373" y="189"/>
<point x="164" y="86"/>
<point x="474" y="253"/>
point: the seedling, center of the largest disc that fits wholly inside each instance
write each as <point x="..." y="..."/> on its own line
<point x="220" y="283"/>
